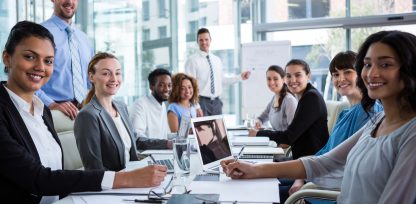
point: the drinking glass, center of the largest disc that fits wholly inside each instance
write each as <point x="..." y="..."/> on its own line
<point x="181" y="156"/>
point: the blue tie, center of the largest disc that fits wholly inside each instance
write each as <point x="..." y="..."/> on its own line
<point x="77" y="80"/>
<point x="211" y="76"/>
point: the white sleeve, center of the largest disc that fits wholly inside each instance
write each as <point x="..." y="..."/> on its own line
<point x="190" y="67"/>
<point x="138" y="118"/>
<point x="108" y="180"/>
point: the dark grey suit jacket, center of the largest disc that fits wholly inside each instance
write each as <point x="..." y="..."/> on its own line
<point x="98" y="140"/>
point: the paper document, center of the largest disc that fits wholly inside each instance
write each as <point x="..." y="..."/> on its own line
<point x="244" y="190"/>
<point x="259" y="141"/>
<point x="259" y="150"/>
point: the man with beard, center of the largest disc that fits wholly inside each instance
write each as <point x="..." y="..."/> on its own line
<point x="68" y="85"/>
<point x="148" y="114"/>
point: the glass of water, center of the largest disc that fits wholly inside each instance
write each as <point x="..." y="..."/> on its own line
<point x="181" y="156"/>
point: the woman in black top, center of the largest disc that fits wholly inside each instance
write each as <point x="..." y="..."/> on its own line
<point x="308" y="131"/>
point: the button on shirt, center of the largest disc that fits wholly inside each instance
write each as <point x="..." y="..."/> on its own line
<point x="60" y="87"/>
<point x="197" y="66"/>
<point x="149" y="118"/>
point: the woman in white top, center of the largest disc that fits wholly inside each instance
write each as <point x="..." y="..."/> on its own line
<point x="103" y="132"/>
<point x="282" y="107"/>
<point x="380" y="158"/>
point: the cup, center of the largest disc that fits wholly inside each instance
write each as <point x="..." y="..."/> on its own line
<point x="181" y="156"/>
<point x="250" y="121"/>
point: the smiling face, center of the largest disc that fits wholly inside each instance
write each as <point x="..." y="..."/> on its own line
<point x="380" y="73"/>
<point x="296" y="79"/>
<point x="274" y="81"/>
<point x="107" y="77"/>
<point x="162" y="88"/>
<point x="65" y="9"/>
<point x="30" y="66"/>
<point x="186" y="91"/>
<point x="345" y="81"/>
<point x="204" y="41"/>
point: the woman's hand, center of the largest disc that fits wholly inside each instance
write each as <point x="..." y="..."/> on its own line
<point x="258" y="124"/>
<point x="297" y="185"/>
<point x="252" y="132"/>
<point x="239" y="169"/>
<point x="149" y="176"/>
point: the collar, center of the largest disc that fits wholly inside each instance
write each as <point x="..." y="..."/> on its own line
<point x="204" y="54"/>
<point x="60" y="23"/>
<point x="22" y="105"/>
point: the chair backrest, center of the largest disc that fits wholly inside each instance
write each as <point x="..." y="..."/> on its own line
<point x="65" y="129"/>
<point x="334" y="108"/>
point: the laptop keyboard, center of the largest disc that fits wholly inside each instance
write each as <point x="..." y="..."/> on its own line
<point x="256" y="156"/>
<point x="166" y="162"/>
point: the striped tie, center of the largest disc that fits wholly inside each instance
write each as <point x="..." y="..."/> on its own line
<point x="211" y="70"/>
<point x="77" y="81"/>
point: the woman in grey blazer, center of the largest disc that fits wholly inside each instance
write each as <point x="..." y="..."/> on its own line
<point x="103" y="132"/>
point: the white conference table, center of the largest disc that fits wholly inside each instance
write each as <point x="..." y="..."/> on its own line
<point x="196" y="168"/>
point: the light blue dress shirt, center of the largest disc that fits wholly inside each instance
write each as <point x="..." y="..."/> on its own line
<point x="60" y="87"/>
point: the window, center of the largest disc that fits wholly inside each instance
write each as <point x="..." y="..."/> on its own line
<point x="162" y="32"/>
<point x="146" y="34"/>
<point x="146" y="11"/>
<point x="193" y="5"/>
<point x="193" y="29"/>
<point x="162" y="8"/>
<point x="308" y="8"/>
<point x="203" y="21"/>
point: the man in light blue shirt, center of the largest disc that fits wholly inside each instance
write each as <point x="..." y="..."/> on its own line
<point x="60" y="93"/>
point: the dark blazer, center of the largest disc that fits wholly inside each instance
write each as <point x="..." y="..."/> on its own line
<point x="98" y="140"/>
<point x="308" y="132"/>
<point x="22" y="175"/>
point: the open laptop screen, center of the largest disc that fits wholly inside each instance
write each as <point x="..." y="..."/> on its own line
<point x="213" y="142"/>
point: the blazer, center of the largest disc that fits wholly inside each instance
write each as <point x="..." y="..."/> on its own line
<point x="98" y="140"/>
<point x="22" y="175"/>
<point x="308" y="132"/>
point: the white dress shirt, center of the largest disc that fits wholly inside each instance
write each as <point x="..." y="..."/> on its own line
<point x="49" y="151"/>
<point x="149" y="118"/>
<point x="197" y="66"/>
<point x="122" y="131"/>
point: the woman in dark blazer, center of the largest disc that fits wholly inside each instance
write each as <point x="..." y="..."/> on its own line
<point x="308" y="132"/>
<point x="30" y="152"/>
<point x="103" y="132"/>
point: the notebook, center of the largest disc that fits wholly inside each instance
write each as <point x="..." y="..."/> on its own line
<point x="213" y="143"/>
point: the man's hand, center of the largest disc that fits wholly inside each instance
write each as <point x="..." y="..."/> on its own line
<point x="297" y="185"/>
<point x="67" y="108"/>
<point x="245" y="75"/>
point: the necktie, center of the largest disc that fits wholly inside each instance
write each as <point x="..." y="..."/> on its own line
<point x="77" y="80"/>
<point x="211" y="75"/>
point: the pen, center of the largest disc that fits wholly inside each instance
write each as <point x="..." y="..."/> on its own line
<point x="144" y="201"/>
<point x="240" y="153"/>
<point x="153" y="159"/>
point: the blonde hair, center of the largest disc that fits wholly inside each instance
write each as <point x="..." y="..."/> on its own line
<point x="91" y="69"/>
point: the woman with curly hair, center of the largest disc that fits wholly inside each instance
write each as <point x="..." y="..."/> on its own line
<point x="183" y="99"/>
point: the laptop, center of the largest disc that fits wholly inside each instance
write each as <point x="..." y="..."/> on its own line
<point x="213" y="142"/>
<point x="182" y="133"/>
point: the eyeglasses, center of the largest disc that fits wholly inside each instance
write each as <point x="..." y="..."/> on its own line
<point x="161" y="193"/>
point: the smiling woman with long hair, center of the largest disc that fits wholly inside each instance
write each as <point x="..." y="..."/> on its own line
<point x="380" y="158"/>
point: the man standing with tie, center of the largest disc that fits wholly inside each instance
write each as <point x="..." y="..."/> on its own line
<point x="68" y="84"/>
<point x="208" y="70"/>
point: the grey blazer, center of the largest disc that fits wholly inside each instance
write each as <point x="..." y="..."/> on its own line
<point x="98" y="140"/>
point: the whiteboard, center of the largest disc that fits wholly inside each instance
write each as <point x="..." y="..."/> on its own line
<point x="257" y="57"/>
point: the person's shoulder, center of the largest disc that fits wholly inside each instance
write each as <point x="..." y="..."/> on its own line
<point x="290" y="98"/>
